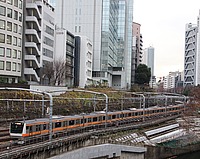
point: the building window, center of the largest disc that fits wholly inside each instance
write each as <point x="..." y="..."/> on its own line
<point x="20" y="17"/>
<point x="2" y="10"/>
<point x="9" y="26"/>
<point x="1" y="65"/>
<point x="49" y="30"/>
<point x="20" y="4"/>
<point x="8" y="66"/>
<point x="16" y="3"/>
<point x="75" y="28"/>
<point x="15" y="28"/>
<point x="14" y="54"/>
<point x="8" y="52"/>
<point x="14" y="66"/>
<point x="10" y="1"/>
<point x="9" y="12"/>
<point x="48" y="53"/>
<point x="2" y="38"/>
<point x="15" y="41"/>
<point x="19" y="67"/>
<point x="15" y="15"/>
<point x="9" y="39"/>
<point x="19" y="42"/>
<point x="2" y="51"/>
<point x="48" y="41"/>
<point x="79" y="29"/>
<point x="20" y="29"/>
<point x="2" y="24"/>
<point x="19" y="54"/>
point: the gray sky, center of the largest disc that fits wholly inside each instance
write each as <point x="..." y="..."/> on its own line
<point x="163" y="27"/>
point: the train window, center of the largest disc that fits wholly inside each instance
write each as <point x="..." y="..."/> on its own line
<point x="109" y="117"/>
<point x="31" y="129"/>
<point x="71" y="122"/>
<point x="114" y="116"/>
<point x="89" y="120"/>
<point x="44" y="126"/>
<point x="57" y="124"/>
<point x="129" y="114"/>
<point x="94" y="119"/>
<point x="100" y="118"/>
<point x="17" y="127"/>
<point x="27" y="127"/>
<point x="121" y="115"/>
<point x="104" y="118"/>
<point x="77" y="121"/>
<point x="37" y="127"/>
<point x="136" y="113"/>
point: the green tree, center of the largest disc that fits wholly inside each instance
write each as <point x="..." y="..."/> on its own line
<point x="142" y="74"/>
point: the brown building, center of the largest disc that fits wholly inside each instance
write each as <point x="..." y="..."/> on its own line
<point x="136" y="49"/>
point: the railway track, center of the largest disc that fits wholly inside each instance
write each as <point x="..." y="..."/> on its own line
<point x="13" y="146"/>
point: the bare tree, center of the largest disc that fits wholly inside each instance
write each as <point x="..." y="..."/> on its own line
<point x="48" y="71"/>
<point x="59" y="68"/>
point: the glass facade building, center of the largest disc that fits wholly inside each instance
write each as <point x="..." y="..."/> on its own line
<point x="108" y="24"/>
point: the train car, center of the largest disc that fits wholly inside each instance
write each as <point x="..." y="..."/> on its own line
<point x="60" y="124"/>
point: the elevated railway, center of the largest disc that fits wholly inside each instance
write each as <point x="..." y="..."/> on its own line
<point x="70" y="142"/>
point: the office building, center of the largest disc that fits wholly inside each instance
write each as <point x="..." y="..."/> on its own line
<point x="136" y="50"/>
<point x="64" y="54"/>
<point x="38" y="40"/>
<point x="173" y="80"/>
<point x="148" y="58"/>
<point x="83" y="62"/>
<point x="108" y="24"/>
<point x="10" y="40"/>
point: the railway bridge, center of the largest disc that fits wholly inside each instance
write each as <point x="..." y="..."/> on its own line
<point x="63" y="144"/>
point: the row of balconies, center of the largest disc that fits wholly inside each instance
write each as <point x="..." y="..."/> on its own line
<point x="33" y="41"/>
<point x="190" y="46"/>
<point x="189" y="66"/>
<point x="189" y="53"/>
<point x="190" y="39"/>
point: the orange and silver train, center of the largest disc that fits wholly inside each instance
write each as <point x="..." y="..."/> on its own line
<point x="30" y="128"/>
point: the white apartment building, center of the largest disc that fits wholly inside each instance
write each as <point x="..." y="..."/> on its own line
<point x="10" y="40"/>
<point x="172" y="80"/>
<point x="108" y="24"/>
<point x="83" y="61"/>
<point x="39" y="39"/>
<point x="190" y="59"/>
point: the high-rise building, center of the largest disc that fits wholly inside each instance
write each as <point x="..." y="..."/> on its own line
<point x="136" y="50"/>
<point x="148" y="58"/>
<point x="83" y="62"/>
<point x="190" y="54"/>
<point x="108" y="24"/>
<point x="10" y="40"/>
<point x="38" y="40"/>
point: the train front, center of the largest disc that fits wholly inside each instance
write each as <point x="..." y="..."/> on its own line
<point x="17" y="129"/>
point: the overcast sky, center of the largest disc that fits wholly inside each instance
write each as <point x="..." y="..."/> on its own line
<point x="163" y="27"/>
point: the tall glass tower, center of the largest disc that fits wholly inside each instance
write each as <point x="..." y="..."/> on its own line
<point x="108" y="24"/>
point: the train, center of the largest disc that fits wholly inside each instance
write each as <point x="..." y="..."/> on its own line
<point x="25" y="129"/>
